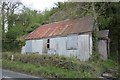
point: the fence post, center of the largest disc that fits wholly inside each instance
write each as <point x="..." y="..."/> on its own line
<point x="12" y="57"/>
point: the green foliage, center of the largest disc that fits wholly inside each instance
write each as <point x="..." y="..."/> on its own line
<point x="44" y="71"/>
<point x="58" y="61"/>
<point x="95" y="57"/>
<point x="106" y="14"/>
<point x="28" y="20"/>
<point x="114" y="67"/>
<point x="21" y="24"/>
<point x="56" y="66"/>
<point x="108" y="63"/>
<point x="67" y="10"/>
<point x="104" y="22"/>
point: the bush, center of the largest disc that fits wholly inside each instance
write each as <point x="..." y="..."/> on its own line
<point x="52" y="60"/>
<point x="42" y="71"/>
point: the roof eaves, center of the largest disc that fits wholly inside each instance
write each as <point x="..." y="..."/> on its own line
<point x="59" y="36"/>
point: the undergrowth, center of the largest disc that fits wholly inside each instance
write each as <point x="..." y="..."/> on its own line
<point x="56" y="66"/>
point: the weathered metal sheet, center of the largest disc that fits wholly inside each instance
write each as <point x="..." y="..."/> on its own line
<point x="72" y="42"/>
<point x="83" y="44"/>
<point x="28" y="46"/>
<point x="23" y="50"/>
<point x="37" y="46"/>
<point x="62" y="46"/>
<point x="44" y="48"/>
<point x="102" y="47"/>
<point x="59" y="46"/>
<point x="62" y="28"/>
<point x="72" y="53"/>
<point x="53" y="46"/>
<point x="103" y="34"/>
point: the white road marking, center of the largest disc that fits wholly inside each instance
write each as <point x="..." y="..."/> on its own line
<point x="6" y="77"/>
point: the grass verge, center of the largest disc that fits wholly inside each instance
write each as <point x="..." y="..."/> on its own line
<point x="43" y="71"/>
<point x="56" y="66"/>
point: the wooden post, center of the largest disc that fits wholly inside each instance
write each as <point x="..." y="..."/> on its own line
<point x="12" y="57"/>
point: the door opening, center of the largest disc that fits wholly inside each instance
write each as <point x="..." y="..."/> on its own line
<point x="48" y="43"/>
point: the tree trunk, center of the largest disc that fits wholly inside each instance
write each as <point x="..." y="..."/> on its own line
<point x="3" y="20"/>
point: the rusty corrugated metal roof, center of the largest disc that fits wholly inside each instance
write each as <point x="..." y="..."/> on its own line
<point x="61" y="28"/>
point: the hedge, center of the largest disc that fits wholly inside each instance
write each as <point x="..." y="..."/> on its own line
<point x="52" y="60"/>
<point x="43" y="71"/>
<point x="61" y="62"/>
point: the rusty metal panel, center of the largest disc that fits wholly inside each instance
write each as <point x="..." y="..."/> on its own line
<point x="102" y="47"/>
<point x="62" y="28"/>
<point x="83" y="43"/>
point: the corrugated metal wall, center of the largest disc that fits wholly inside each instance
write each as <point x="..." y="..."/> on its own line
<point x="102" y="47"/>
<point x="81" y="46"/>
<point x="83" y="43"/>
<point x="23" y="50"/>
<point x="28" y="46"/>
<point x="59" y="45"/>
<point x="37" y="46"/>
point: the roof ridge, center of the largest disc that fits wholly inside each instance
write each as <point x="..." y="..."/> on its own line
<point x="55" y="22"/>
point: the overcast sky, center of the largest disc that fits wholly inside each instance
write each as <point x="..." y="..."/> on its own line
<point x="40" y="5"/>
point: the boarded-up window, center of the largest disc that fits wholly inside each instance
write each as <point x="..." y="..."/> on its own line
<point x="72" y="42"/>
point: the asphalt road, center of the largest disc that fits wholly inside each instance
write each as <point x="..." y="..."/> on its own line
<point x="12" y="74"/>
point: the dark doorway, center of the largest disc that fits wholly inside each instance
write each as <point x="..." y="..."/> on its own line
<point x="48" y="43"/>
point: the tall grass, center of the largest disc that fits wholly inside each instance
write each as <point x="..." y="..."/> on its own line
<point x="44" y="71"/>
<point x="55" y="66"/>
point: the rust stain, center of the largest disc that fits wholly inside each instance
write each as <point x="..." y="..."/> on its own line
<point x="64" y="27"/>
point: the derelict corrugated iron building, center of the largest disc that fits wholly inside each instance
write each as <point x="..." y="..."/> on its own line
<point x="71" y="37"/>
